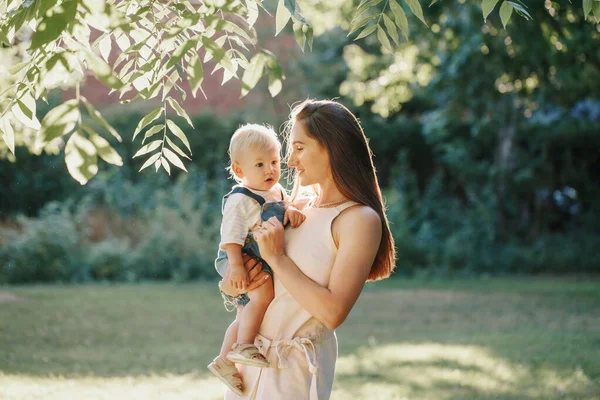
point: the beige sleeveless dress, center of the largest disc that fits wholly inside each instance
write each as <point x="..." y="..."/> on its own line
<point x="301" y="350"/>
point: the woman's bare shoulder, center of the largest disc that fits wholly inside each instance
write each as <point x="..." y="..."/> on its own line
<point x="358" y="218"/>
<point x="360" y="212"/>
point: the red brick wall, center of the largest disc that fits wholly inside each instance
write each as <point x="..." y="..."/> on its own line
<point x="219" y="98"/>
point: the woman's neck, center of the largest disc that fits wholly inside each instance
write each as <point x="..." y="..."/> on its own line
<point x="328" y="193"/>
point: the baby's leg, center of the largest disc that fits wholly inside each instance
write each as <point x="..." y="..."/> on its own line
<point x="230" y="336"/>
<point x="251" y="316"/>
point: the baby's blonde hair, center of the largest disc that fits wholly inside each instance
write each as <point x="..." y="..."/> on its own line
<point x="250" y="136"/>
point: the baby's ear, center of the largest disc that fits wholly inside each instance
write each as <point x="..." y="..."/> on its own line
<point x="237" y="169"/>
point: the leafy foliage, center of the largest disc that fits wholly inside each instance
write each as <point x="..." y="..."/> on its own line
<point x="162" y="47"/>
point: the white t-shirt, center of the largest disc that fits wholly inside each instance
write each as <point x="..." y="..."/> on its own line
<point x="241" y="214"/>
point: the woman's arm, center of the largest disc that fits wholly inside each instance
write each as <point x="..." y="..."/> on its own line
<point x="357" y="248"/>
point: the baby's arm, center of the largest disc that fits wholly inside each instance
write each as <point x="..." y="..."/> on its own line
<point x="235" y="273"/>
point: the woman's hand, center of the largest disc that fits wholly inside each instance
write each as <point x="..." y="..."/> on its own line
<point x="255" y="276"/>
<point x="271" y="240"/>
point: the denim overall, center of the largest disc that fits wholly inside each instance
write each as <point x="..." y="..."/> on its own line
<point x="268" y="210"/>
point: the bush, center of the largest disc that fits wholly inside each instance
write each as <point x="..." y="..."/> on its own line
<point x="120" y="231"/>
<point x="49" y="249"/>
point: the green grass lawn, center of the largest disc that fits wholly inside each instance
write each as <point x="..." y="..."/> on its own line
<point x="436" y="340"/>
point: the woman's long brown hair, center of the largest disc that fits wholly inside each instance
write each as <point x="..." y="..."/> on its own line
<point x="340" y="133"/>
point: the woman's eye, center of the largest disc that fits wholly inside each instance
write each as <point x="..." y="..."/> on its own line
<point x="299" y="149"/>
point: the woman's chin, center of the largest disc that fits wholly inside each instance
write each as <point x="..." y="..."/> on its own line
<point x="303" y="181"/>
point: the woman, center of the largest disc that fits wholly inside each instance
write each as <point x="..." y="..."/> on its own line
<point x="321" y="267"/>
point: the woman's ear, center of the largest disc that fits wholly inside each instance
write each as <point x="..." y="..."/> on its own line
<point x="237" y="169"/>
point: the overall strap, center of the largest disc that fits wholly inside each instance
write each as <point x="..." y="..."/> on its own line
<point x="244" y="191"/>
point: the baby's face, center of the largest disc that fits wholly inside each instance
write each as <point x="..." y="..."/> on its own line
<point x="261" y="168"/>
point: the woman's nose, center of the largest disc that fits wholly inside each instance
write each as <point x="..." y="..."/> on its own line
<point x="292" y="161"/>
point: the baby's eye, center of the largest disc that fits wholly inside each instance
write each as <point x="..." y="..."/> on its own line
<point x="274" y="162"/>
<point x="299" y="149"/>
<point x="259" y="164"/>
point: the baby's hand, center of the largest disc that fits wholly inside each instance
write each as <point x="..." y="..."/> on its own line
<point x="238" y="276"/>
<point x="293" y="216"/>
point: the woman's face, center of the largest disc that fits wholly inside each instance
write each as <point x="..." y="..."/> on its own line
<point x="308" y="157"/>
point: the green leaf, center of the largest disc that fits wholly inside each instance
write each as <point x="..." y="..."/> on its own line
<point x="52" y="61"/>
<point x="179" y="133"/>
<point x="24" y="111"/>
<point x="59" y="121"/>
<point x="4" y="38"/>
<point x="168" y="85"/>
<point x="253" y="73"/>
<point x="51" y="27"/>
<point x="218" y="53"/>
<point x="596" y="10"/>
<point x="153" y="131"/>
<point x="282" y="17"/>
<point x="195" y="74"/>
<point x="18" y="67"/>
<point x="179" y="110"/>
<point x="81" y="158"/>
<point x="520" y="9"/>
<point x="366" y="32"/>
<point x="309" y="37"/>
<point x="150" y="161"/>
<point x="176" y="148"/>
<point x="382" y="37"/>
<point x="587" y="8"/>
<point x="220" y="42"/>
<point x="8" y="134"/>
<point x="487" y="6"/>
<point x="96" y="116"/>
<point x="152" y="115"/>
<point x="147" y="148"/>
<point x="275" y="86"/>
<point x="165" y="165"/>
<point x="103" y="148"/>
<point x="172" y="157"/>
<point x="294" y="9"/>
<point x="252" y="8"/>
<point x="365" y="5"/>
<point x="229" y="26"/>
<point x="123" y="42"/>
<point x="415" y="7"/>
<point x="181" y="51"/>
<point x="299" y="35"/>
<point x="506" y="11"/>
<point x="391" y="29"/>
<point x="357" y="25"/>
<point x="105" y="46"/>
<point x="103" y="71"/>
<point x="400" y="17"/>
